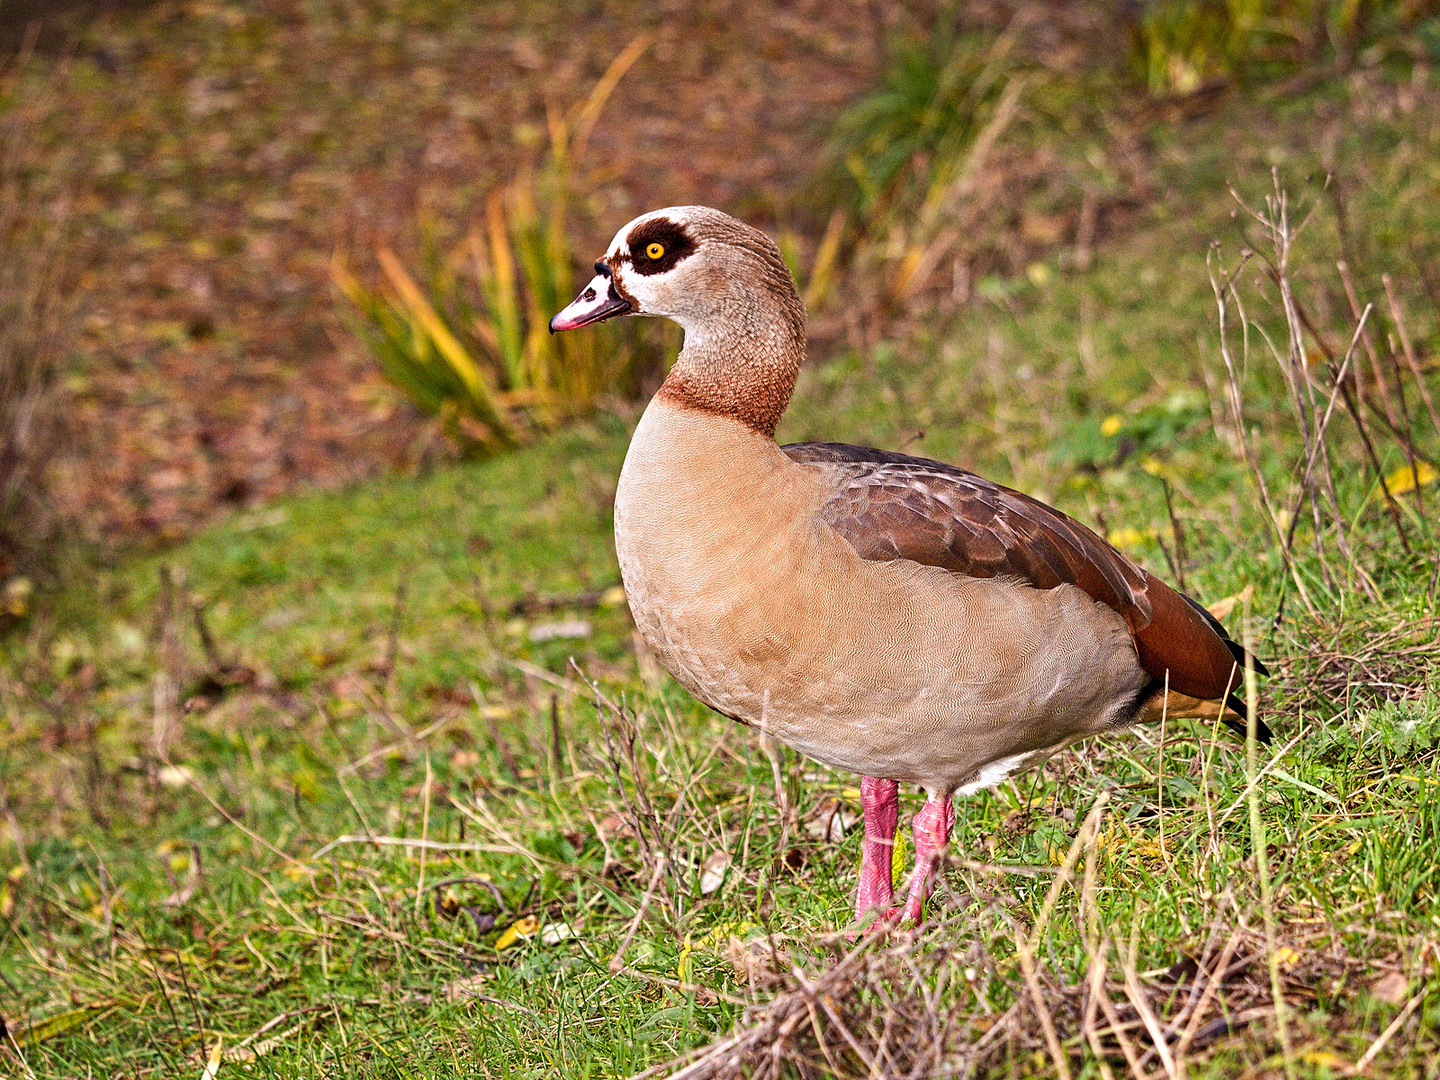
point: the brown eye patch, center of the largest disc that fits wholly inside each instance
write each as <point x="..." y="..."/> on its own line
<point x="657" y="245"/>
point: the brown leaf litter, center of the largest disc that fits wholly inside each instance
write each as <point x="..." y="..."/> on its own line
<point x="919" y="1004"/>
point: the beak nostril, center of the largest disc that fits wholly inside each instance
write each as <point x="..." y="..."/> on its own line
<point x="588" y="294"/>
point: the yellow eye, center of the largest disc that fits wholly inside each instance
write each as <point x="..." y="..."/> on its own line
<point x="655" y="251"/>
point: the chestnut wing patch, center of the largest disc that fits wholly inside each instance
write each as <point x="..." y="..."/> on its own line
<point x="892" y="506"/>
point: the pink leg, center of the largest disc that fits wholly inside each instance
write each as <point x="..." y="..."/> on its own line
<point x="880" y="800"/>
<point x="932" y="835"/>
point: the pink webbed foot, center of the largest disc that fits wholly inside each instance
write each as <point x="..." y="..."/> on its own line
<point x="880" y="801"/>
<point x="932" y="835"/>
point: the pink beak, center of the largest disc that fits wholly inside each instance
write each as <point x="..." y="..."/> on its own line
<point x="599" y="301"/>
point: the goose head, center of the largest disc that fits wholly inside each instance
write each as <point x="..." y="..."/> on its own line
<point x="727" y="286"/>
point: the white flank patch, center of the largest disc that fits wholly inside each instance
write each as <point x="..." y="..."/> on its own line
<point x="993" y="773"/>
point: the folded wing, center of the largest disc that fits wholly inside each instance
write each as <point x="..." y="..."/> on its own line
<point x="893" y="506"/>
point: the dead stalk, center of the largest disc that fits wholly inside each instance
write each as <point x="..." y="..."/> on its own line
<point x="1140" y="1000"/>
<point x="1395" y="1025"/>
<point x="1388" y="404"/>
<point x="1408" y="351"/>
<point x="1275" y="221"/>
<point x="1222" y="288"/>
<point x="617" y="962"/>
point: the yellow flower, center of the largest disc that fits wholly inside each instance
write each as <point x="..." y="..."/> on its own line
<point x="1403" y="479"/>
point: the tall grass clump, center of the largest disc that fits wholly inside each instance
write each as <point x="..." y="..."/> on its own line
<point x="37" y="311"/>
<point x="909" y="138"/>
<point x="1366" y="374"/>
<point x="469" y="342"/>
<point x="1180" y="46"/>
<point x="914" y="153"/>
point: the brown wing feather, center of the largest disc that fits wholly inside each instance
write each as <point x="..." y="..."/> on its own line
<point x="893" y="506"/>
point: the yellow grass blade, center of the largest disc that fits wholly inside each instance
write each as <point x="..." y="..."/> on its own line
<point x="590" y="112"/>
<point x="345" y="282"/>
<point x="822" y="274"/>
<point x="900" y="283"/>
<point x="426" y="318"/>
<point x="212" y="1063"/>
<point x="504" y="300"/>
<point x="50" y="1026"/>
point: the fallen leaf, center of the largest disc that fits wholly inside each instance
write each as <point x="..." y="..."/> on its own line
<point x="1286" y="957"/>
<point x="615" y="827"/>
<point x="555" y="631"/>
<point x="1391" y="988"/>
<point x="1222" y="608"/>
<point x="1128" y="537"/>
<point x="438" y="790"/>
<point x="15" y="596"/>
<point x="829" y="821"/>
<point x="712" y="874"/>
<point x="175" y="776"/>
<point x="516" y="931"/>
<point x="462" y="988"/>
<point x="556" y="932"/>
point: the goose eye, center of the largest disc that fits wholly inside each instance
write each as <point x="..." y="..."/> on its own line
<point x="655" y="251"/>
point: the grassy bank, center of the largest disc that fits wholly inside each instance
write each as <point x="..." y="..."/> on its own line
<point x="375" y="783"/>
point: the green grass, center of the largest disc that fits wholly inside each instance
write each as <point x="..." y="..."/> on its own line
<point x="381" y="669"/>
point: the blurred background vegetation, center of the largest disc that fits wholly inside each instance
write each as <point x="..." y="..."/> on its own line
<point x="303" y="515"/>
<point x="215" y="244"/>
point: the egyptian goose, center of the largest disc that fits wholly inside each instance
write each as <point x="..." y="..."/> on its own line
<point x="885" y="614"/>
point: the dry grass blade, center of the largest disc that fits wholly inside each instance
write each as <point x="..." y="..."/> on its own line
<point x="1140" y="999"/>
<point x="1385" y="1036"/>
<point x="484" y="363"/>
<point x="1281" y="235"/>
<point x="617" y="962"/>
<point x="1026" y="944"/>
<point x="1210" y="985"/>
<point x="1408" y="351"/>
<point x="907" y="1006"/>
<point x="1392" y="417"/>
<point x="589" y="114"/>
<point x="822" y="274"/>
<point x="955" y="202"/>
<point x="1223" y="285"/>
<point x="189" y="779"/>
<point x="1092" y="1002"/>
<point x="497" y="278"/>
<point x="1261" y="847"/>
<point x="1335" y="566"/>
